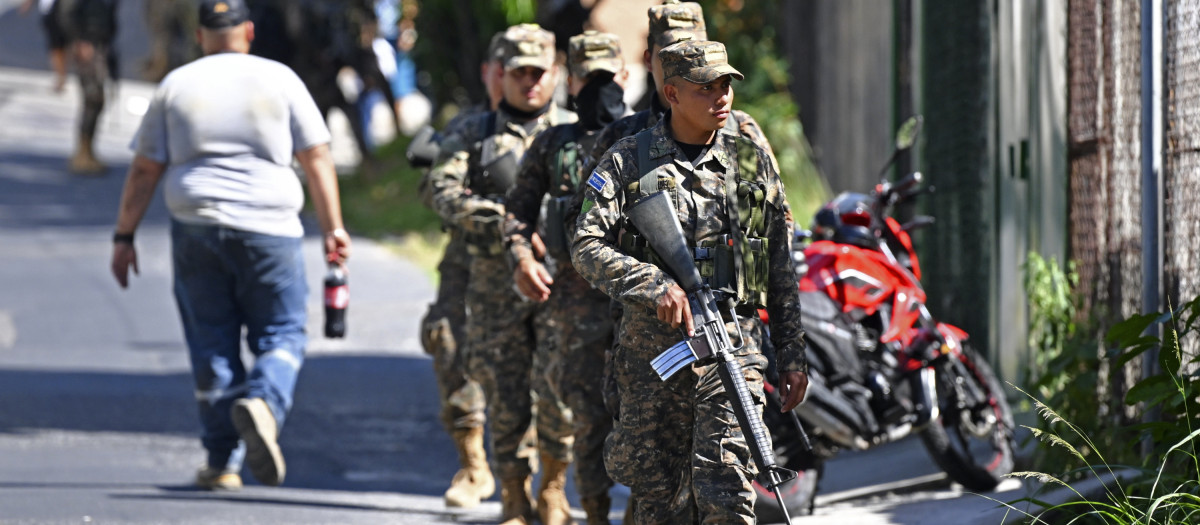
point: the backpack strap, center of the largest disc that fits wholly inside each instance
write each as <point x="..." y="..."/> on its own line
<point x="647" y="180"/>
<point x="731" y="201"/>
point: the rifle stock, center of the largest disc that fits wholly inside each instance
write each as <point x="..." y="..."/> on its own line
<point x="654" y="217"/>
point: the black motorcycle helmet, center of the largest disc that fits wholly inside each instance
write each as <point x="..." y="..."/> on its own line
<point x="846" y="219"/>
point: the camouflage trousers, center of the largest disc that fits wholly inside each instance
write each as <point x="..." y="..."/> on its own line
<point x="443" y="334"/>
<point x="509" y="341"/>
<point x="581" y="314"/>
<point x="93" y="71"/>
<point x="677" y="443"/>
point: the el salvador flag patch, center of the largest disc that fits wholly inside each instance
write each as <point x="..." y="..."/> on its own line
<point x="597" y="182"/>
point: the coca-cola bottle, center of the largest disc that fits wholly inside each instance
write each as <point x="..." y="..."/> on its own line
<point x="337" y="298"/>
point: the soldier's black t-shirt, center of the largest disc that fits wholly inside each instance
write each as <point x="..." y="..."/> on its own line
<point x="693" y="151"/>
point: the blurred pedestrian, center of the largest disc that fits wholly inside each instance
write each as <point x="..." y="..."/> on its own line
<point x="224" y="130"/>
<point x="551" y="170"/>
<point x="56" y="38"/>
<point x="477" y="166"/>
<point x="171" y="24"/>
<point x="91" y="26"/>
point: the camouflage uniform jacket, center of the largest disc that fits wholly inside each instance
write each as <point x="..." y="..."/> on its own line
<point x="454" y="127"/>
<point x="703" y="213"/>
<point x="648" y="118"/>
<point x="460" y="190"/>
<point x="544" y="173"/>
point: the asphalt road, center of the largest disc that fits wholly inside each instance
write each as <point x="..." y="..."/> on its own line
<point x="97" y="419"/>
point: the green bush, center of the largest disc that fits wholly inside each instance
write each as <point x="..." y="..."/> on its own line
<point x="1081" y="436"/>
<point x="1070" y="370"/>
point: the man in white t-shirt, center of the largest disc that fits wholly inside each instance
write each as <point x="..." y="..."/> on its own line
<point x="223" y="130"/>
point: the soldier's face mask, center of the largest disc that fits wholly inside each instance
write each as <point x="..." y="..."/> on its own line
<point x="600" y="102"/>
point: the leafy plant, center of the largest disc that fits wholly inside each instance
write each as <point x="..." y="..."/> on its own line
<point x="1069" y="369"/>
<point x="1165" y="490"/>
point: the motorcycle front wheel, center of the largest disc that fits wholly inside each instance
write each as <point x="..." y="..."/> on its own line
<point x="972" y="438"/>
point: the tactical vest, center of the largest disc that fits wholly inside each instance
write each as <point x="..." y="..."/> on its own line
<point x="565" y="175"/>
<point x="491" y="179"/>
<point x="735" y="264"/>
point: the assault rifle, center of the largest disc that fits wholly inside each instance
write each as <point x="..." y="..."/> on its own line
<point x="654" y="217"/>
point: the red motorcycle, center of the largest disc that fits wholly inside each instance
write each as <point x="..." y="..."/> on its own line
<point x="881" y="367"/>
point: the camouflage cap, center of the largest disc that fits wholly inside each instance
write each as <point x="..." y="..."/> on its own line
<point x="495" y="50"/>
<point x="527" y="45"/>
<point x="594" y="51"/>
<point x="675" y="22"/>
<point x="697" y="61"/>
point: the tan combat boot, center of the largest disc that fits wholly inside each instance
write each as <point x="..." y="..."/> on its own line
<point x="597" y="508"/>
<point x="83" y="161"/>
<point x="473" y="482"/>
<point x="552" y="495"/>
<point x="515" y="501"/>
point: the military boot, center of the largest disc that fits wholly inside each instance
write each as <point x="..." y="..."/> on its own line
<point x="473" y="482"/>
<point x="597" y="508"/>
<point x="516" y="505"/>
<point x="552" y="495"/>
<point x="84" y="161"/>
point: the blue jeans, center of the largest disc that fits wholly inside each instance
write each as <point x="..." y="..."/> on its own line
<point x="225" y="280"/>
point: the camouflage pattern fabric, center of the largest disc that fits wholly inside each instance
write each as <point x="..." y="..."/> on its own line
<point x="443" y="335"/>
<point x="504" y="332"/>
<point x="93" y="73"/>
<point x="594" y="51"/>
<point x="443" y="328"/>
<point x="527" y="45"/>
<point x="577" y="312"/>
<point x="674" y="22"/>
<point x="697" y="61"/>
<point x="677" y="443"/>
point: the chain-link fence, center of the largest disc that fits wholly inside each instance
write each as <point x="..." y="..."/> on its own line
<point x="1181" y="158"/>
<point x="1104" y="126"/>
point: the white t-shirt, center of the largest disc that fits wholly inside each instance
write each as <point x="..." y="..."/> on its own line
<point x="227" y="126"/>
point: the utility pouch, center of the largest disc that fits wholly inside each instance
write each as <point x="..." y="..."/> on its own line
<point x="714" y="260"/>
<point x="636" y="246"/>
<point x="756" y="263"/>
<point x="500" y="174"/>
<point x="555" y="225"/>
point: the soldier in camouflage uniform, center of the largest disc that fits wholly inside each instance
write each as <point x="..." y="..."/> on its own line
<point x="551" y="170"/>
<point x="91" y="27"/>
<point x="671" y="22"/>
<point x="477" y="166"/>
<point x="677" y="443"/>
<point x="443" y="330"/>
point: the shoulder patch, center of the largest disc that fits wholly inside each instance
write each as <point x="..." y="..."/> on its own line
<point x="597" y="182"/>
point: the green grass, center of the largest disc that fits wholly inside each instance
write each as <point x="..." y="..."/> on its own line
<point x="1165" y="489"/>
<point x="382" y="200"/>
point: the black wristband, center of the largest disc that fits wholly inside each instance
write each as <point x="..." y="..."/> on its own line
<point x="123" y="238"/>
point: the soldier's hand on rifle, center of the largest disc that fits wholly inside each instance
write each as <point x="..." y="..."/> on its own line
<point x="532" y="280"/>
<point x="673" y="308"/>
<point x="793" y="385"/>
